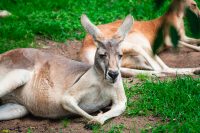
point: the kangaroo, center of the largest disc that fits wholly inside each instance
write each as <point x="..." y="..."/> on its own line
<point x="137" y="46"/>
<point x="53" y="86"/>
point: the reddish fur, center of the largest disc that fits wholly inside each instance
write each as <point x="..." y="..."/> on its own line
<point x="174" y="16"/>
<point x="147" y="28"/>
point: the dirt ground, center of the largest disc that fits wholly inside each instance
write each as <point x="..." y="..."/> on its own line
<point x="184" y="58"/>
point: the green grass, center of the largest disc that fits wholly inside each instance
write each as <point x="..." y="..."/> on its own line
<point x="114" y="129"/>
<point x="29" y="130"/>
<point x="143" y="77"/>
<point x="60" y="20"/>
<point x="65" y="122"/>
<point x="176" y="102"/>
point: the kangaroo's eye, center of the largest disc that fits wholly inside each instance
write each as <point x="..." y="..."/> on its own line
<point x="120" y="56"/>
<point x="102" y="56"/>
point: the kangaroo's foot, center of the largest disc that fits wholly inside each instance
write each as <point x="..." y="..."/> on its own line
<point x="182" y="71"/>
<point x="12" y="111"/>
<point x="14" y="79"/>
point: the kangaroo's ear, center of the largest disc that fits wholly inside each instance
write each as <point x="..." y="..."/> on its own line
<point x="124" y="28"/>
<point x="90" y="27"/>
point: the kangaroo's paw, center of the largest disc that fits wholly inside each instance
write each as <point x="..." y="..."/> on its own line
<point x="96" y="121"/>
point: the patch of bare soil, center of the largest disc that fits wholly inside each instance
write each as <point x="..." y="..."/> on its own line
<point x="184" y="58"/>
<point x="75" y="125"/>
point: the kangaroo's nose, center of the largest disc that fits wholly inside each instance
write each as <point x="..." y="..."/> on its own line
<point x="113" y="74"/>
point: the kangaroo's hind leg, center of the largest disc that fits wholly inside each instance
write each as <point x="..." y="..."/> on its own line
<point x="14" y="79"/>
<point x="197" y="48"/>
<point x="12" y="111"/>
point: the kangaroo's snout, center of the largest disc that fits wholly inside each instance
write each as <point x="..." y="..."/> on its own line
<point x="113" y="75"/>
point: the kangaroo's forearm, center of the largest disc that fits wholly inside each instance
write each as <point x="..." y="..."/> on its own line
<point x="71" y="105"/>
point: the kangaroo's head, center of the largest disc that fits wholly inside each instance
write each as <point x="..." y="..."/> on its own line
<point x="192" y="5"/>
<point x="108" y="54"/>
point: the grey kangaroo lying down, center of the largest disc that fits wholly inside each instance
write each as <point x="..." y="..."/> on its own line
<point x="52" y="86"/>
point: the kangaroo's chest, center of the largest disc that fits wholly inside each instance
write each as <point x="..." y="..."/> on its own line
<point x="95" y="100"/>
